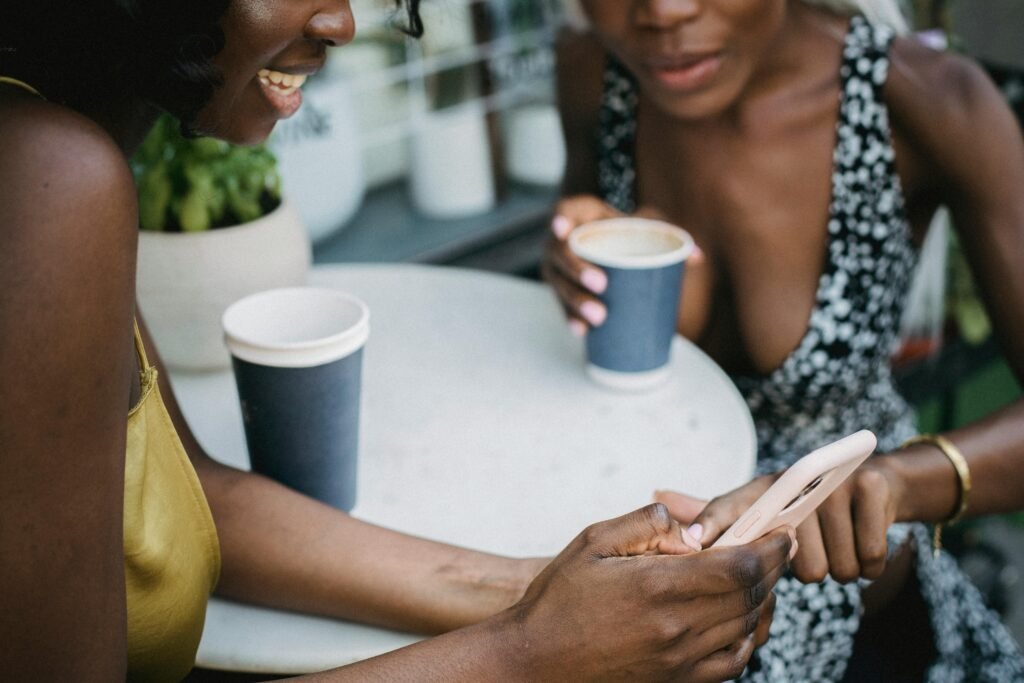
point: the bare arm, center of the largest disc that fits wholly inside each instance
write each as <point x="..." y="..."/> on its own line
<point x="618" y="603"/>
<point x="283" y="549"/>
<point x="970" y="140"/>
<point x="67" y="225"/>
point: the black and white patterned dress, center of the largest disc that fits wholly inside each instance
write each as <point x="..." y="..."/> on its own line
<point x="838" y="378"/>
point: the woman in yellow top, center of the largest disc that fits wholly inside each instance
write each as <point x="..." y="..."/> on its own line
<point x="111" y="539"/>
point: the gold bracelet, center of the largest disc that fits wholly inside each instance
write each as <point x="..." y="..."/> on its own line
<point x="963" y="472"/>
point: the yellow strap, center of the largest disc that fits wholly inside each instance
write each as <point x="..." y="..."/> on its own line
<point x="140" y="347"/>
<point x="7" y="80"/>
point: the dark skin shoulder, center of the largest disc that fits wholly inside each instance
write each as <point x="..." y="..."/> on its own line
<point x="67" y="226"/>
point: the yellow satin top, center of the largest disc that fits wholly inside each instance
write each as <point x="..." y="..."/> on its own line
<point x="171" y="552"/>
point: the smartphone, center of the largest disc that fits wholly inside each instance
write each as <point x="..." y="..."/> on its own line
<point x="801" y="488"/>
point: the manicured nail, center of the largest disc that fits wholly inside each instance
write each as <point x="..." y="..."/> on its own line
<point x="696" y="530"/>
<point x="690" y="541"/>
<point x="578" y="328"/>
<point x="594" y="312"/>
<point x="561" y="226"/>
<point x="594" y="280"/>
<point x="793" y="548"/>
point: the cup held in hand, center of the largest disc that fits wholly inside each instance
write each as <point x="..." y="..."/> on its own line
<point x="644" y="260"/>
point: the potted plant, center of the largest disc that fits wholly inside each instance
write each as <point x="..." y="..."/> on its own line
<point x="214" y="229"/>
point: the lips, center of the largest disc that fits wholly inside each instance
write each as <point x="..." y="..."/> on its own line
<point x="686" y="72"/>
<point x="281" y="90"/>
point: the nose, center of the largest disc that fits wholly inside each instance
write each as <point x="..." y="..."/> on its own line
<point x="332" y="23"/>
<point x="667" y="13"/>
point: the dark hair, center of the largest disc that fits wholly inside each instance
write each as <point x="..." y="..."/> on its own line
<point x="83" y="52"/>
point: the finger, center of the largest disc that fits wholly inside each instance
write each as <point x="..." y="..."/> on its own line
<point x="836" y="522"/>
<point x="722" y="636"/>
<point x="764" y="621"/>
<point x="571" y="212"/>
<point x="575" y="269"/>
<point x="810" y="565"/>
<point x="742" y="602"/>
<point x="722" y="511"/>
<point x="649" y="529"/>
<point x="870" y="523"/>
<point x="682" y="507"/>
<point x="722" y="570"/>
<point x="725" y="664"/>
<point x="577" y="303"/>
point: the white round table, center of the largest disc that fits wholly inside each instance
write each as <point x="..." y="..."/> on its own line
<point x="475" y="398"/>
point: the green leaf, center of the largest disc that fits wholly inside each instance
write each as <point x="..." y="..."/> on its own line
<point x="154" y="198"/>
<point x="194" y="214"/>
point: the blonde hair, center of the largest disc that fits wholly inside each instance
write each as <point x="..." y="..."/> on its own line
<point x="885" y="12"/>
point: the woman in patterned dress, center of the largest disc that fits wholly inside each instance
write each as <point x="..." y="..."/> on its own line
<point x="806" y="149"/>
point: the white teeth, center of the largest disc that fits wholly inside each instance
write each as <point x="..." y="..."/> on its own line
<point x="286" y="83"/>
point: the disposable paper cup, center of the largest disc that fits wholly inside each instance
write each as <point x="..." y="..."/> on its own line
<point x="297" y="356"/>
<point x="644" y="261"/>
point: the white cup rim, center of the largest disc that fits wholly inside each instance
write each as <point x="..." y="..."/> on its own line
<point x="243" y="344"/>
<point x="677" y="255"/>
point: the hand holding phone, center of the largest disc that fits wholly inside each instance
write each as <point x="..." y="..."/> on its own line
<point x="801" y="488"/>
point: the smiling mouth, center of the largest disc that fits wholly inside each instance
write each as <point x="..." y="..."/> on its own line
<point x="284" y="84"/>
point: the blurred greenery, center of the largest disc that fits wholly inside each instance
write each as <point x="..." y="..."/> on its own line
<point x="963" y="304"/>
<point x="195" y="184"/>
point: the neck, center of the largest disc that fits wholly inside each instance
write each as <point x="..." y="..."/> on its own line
<point x="806" y="48"/>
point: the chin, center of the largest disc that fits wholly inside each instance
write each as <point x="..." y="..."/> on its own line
<point x="249" y="135"/>
<point x="695" y="106"/>
<point x="237" y="132"/>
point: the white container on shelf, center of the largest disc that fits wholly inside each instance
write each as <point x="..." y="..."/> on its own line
<point x="450" y="173"/>
<point x="534" y="146"/>
<point x="321" y="159"/>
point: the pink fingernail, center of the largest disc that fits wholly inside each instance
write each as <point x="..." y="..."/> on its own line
<point x="561" y="226"/>
<point x="792" y="550"/>
<point x="690" y="541"/>
<point x="696" y="530"/>
<point x="594" y="312"/>
<point x="594" y="280"/>
<point x="577" y="327"/>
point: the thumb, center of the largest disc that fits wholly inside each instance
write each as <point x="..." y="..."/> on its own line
<point x="645" y="531"/>
<point x="682" y="507"/>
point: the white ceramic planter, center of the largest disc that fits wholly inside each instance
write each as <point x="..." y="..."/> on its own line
<point x="185" y="281"/>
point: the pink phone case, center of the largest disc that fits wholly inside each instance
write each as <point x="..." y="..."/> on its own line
<point x="801" y="488"/>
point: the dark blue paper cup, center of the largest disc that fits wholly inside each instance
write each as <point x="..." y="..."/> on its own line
<point x="297" y="355"/>
<point x="644" y="261"/>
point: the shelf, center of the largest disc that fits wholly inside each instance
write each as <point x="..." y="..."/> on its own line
<point x="387" y="228"/>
